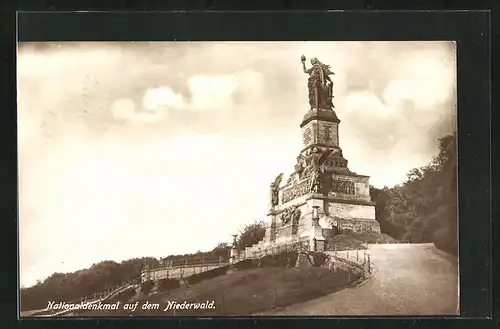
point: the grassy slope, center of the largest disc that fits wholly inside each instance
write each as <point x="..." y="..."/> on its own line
<point x="245" y="292"/>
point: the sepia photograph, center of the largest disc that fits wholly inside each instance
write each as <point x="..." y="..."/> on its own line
<point x="237" y="179"/>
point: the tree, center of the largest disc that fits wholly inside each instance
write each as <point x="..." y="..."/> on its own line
<point x="251" y="235"/>
<point x="424" y="207"/>
<point x="222" y="250"/>
<point x="380" y="197"/>
<point x="446" y="236"/>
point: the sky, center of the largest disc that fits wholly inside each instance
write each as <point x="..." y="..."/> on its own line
<point x="150" y="149"/>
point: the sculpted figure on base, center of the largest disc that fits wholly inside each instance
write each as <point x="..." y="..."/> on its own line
<point x="274" y="190"/>
<point x="317" y="168"/>
<point x="300" y="165"/>
<point x="290" y="214"/>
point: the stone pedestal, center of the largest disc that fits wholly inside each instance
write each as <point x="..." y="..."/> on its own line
<point x="317" y="241"/>
<point x="270" y="235"/>
<point x="320" y="127"/>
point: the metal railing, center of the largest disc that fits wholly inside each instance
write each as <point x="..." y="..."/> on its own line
<point x="180" y="263"/>
<point x="358" y="260"/>
<point x="106" y="293"/>
<point x="92" y="298"/>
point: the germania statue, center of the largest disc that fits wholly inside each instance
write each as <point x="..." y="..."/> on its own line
<point x="320" y="85"/>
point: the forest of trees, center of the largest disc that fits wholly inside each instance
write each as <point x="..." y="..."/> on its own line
<point x="70" y="286"/>
<point x="422" y="209"/>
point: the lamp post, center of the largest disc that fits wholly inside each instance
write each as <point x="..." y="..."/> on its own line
<point x="234" y="240"/>
<point x="234" y="253"/>
<point x="315" y="215"/>
<point x="317" y="231"/>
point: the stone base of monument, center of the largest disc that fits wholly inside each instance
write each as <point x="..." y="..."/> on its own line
<point x="333" y="215"/>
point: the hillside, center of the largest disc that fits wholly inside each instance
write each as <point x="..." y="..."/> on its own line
<point x="244" y="292"/>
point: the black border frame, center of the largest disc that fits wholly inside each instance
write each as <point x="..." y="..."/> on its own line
<point x="469" y="29"/>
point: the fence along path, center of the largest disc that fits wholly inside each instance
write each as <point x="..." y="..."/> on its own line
<point x="183" y="268"/>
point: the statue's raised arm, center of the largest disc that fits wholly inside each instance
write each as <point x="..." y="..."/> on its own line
<point x="303" y="59"/>
<point x="320" y="85"/>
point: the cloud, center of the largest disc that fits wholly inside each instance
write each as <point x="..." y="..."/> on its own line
<point x="164" y="96"/>
<point x="125" y="109"/>
<point x="212" y="92"/>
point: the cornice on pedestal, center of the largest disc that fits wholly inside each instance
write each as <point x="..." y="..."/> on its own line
<point x="340" y="200"/>
<point x="320" y="114"/>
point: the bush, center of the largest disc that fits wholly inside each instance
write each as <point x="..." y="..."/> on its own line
<point x="284" y="259"/>
<point x="168" y="284"/>
<point x="244" y="264"/>
<point x="269" y="261"/>
<point x="319" y="258"/>
<point x="287" y="259"/>
<point x="146" y="287"/>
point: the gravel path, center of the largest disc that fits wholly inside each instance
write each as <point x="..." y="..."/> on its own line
<point x="410" y="279"/>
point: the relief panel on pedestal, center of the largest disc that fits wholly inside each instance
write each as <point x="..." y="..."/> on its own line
<point x="343" y="186"/>
<point x="328" y="134"/>
<point x="307" y="136"/>
<point x="289" y="220"/>
<point x="293" y="192"/>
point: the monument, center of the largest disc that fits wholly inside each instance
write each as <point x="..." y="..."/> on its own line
<point x="322" y="196"/>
